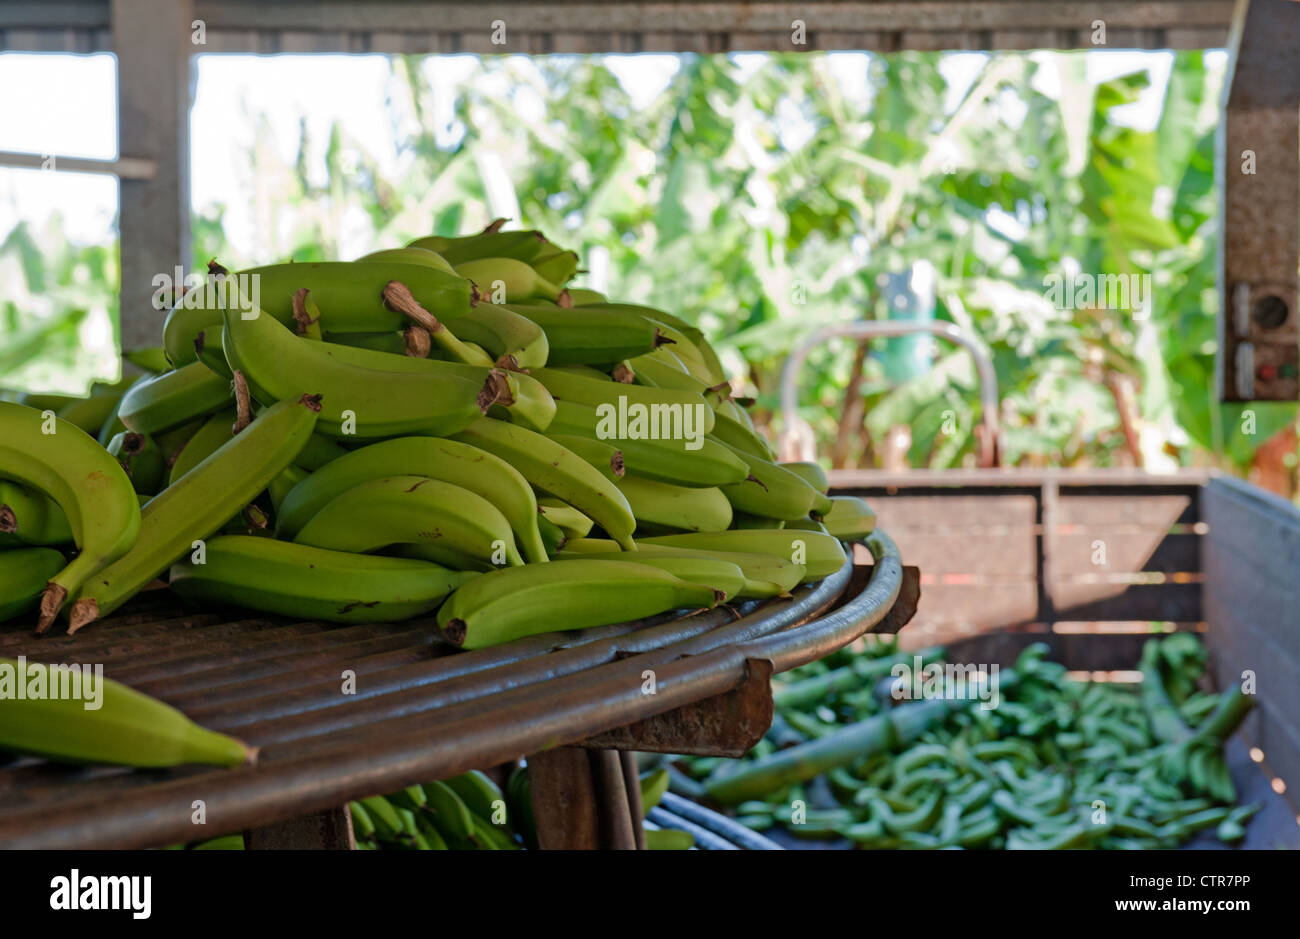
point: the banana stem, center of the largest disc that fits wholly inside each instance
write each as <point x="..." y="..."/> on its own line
<point x="243" y="403"/>
<point x="417" y="340"/>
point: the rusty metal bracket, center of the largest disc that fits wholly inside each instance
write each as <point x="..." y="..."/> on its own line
<point x="727" y="724"/>
<point x="328" y="830"/>
<point x="1259" y="183"/>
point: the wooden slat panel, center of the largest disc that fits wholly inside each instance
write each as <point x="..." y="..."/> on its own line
<point x="1151" y="550"/>
<point x="1180" y="603"/>
<point x="976" y="605"/>
<point x="1127" y="509"/>
<point x="1009" y="555"/>
<point x="1091" y="652"/>
<point x="947" y="512"/>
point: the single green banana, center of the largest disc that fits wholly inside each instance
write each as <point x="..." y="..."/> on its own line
<point x="23" y="575"/>
<point x="771" y="491"/>
<point x="503" y="280"/>
<point x="659" y="505"/>
<point x="152" y="359"/>
<point x="556" y="267"/>
<point x="404" y="509"/>
<point x="383" y="816"/>
<point x="113" y="425"/>
<point x="724" y="577"/>
<point x="141" y="459"/>
<point x="90" y="487"/>
<point x="198" y="504"/>
<point x="797" y="524"/>
<point x="282" y="485"/>
<point x="669" y="461"/>
<point x="126" y="728"/>
<point x="520" y="245"/>
<point x="450" y="461"/>
<point x="437" y="553"/>
<point x="603" y="456"/>
<point x="571" y="522"/>
<point x="849" y="517"/>
<point x="451" y="815"/>
<point x="297" y="580"/>
<point x="411" y="255"/>
<point x="29" y="517"/>
<point x="743" y="521"/>
<point x="653" y="787"/>
<point x="515" y="602"/>
<point x="550" y="467"/>
<point x="553" y="536"/>
<point x="172" y="442"/>
<point x="822" y="555"/>
<point x="663" y="369"/>
<point x="575" y="338"/>
<point x="216" y="431"/>
<point x="392" y="343"/>
<point x="477" y="790"/>
<point x="728" y="430"/>
<point x="357" y="401"/>
<point x="632" y="411"/>
<point x="172" y="398"/>
<point x="766" y="575"/>
<point x="90" y="414"/>
<point x="362" y="825"/>
<point x="320" y="451"/>
<point x="811" y="473"/>
<point x="210" y="350"/>
<point x="582" y="296"/>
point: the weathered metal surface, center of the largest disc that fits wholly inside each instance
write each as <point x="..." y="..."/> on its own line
<point x="319" y="831"/>
<point x="538" y="28"/>
<point x="632" y="781"/>
<point x="1259" y="184"/>
<point x="562" y="789"/>
<point x="613" y="805"/>
<point x="411" y="719"/>
<point x="727" y="724"/>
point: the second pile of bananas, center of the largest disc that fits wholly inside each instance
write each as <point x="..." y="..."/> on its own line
<point x="443" y="426"/>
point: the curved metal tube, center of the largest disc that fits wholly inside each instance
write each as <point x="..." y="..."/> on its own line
<point x="873" y="329"/>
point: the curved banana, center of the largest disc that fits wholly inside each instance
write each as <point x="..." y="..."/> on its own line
<point x="582" y="296"/>
<point x="523" y="601"/>
<point x="571" y="522"/>
<point x="658" y="505"/>
<point x="411" y="510"/>
<point x="724" y="577"/>
<point x="76" y="472"/>
<point x="849" y="517"/>
<point x="632" y="411"/>
<point x="390" y="342"/>
<point x="663" y="369"/>
<point x="520" y="245"/>
<point x="574" y="338"/>
<point x="743" y="521"/>
<point x="771" y="491"/>
<point x="556" y="265"/>
<point x="811" y="473"/>
<point x="127" y="729"/>
<point x="665" y="460"/>
<point x="354" y="400"/>
<point x="28" y="516"/>
<point x="91" y="414"/>
<point x="450" y="461"/>
<point x="23" y="575"/>
<point x="141" y="459"/>
<point x="565" y="475"/>
<point x="512" y="277"/>
<point x="216" y="431"/>
<point x="800" y="524"/>
<point x="298" y="580"/>
<point x="113" y="425"/>
<point x="411" y="255"/>
<point x="822" y="555"/>
<point x="766" y="575"/>
<point x="198" y="504"/>
<point x="164" y="401"/>
<point x="320" y="451"/>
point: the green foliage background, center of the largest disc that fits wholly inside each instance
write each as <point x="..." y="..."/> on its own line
<point x="703" y="204"/>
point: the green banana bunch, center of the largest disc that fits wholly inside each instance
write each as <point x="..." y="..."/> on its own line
<point x="216" y="431"/>
<point x="141" y="459"/>
<point x="411" y="255"/>
<point x="658" y="505"/>
<point x="515" y="602"/>
<point x="30" y="517"/>
<point x="822" y="555"/>
<point x="301" y="581"/>
<point x="23" y="575"/>
<point x="663" y="369"/>
<point x="574" y="337"/>
<point x="399" y="297"/>
<point x="172" y="398"/>
<point x="603" y="456"/>
<point x="571" y="522"/>
<point x="479" y="793"/>
<point x="771" y="491"/>
<point x="514" y="278"/>
<point x="412" y="510"/>
<point x="550" y="467"/>
<point x="667" y="461"/>
<point x="766" y="575"/>
<point x="126" y="729"/>
<point x="608" y="396"/>
<point x="198" y="504"/>
<point x="438" y="399"/>
<point x="556" y="265"/>
<point x="849" y="517"/>
<point x="450" y="461"/>
<point x="740" y="437"/>
<point x="88" y="484"/>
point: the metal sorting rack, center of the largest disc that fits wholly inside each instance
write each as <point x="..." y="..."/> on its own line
<point x="422" y="710"/>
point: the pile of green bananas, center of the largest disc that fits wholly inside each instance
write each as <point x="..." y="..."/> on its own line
<point x="1058" y="763"/>
<point x="440" y="427"/>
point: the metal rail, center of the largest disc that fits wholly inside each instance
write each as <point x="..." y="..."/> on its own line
<point x="794" y="432"/>
<point x="421" y="710"/>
